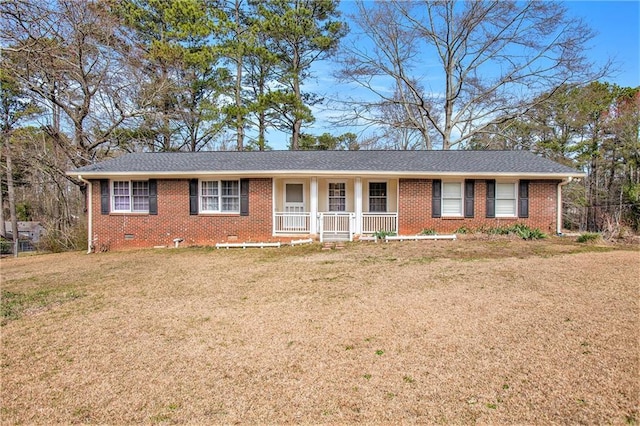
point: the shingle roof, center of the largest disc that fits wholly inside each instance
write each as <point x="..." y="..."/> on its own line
<point x="279" y="162"/>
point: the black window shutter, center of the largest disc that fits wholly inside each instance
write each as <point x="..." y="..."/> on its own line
<point x="244" y="197"/>
<point x="469" y="197"/>
<point x="523" y="199"/>
<point x="105" y="202"/>
<point x="153" y="196"/>
<point x="491" y="198"/>
<point x="436" y="198"/>
<point x="193" y="197"/>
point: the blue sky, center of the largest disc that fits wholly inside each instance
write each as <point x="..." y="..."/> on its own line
<point x="617" y="24"/>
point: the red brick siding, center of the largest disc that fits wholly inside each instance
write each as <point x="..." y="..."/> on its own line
<point x="414" y="208"/>
<point x="174" y="221"/>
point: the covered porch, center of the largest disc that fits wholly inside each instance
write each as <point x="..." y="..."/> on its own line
<point x="335" y="208"/>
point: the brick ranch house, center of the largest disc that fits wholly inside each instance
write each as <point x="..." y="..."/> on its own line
<point x="202" y="198"/>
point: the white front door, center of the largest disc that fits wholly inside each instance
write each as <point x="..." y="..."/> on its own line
<point x="294" y="203"/>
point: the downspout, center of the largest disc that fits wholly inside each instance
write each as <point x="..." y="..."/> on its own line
<point x="559" y="206"/>
<point x="89" y="212"/>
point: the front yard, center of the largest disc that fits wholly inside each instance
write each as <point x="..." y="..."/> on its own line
<point x="489" y="331"/>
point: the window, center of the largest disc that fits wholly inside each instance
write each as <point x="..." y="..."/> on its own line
<point x="140" y="196"/>
<point x="451" y="198"/>
<point x="218" y="196"/>
<point x="209" y="200"/>
<point x="505" y="199"/>
<point x="337" y="197"/>
<point x="377" y="196"/>
<point x="230" y="195"/>
<point x="130" y="196"/>
<point x="294" y="193"/>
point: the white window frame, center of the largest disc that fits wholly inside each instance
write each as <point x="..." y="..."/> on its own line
<point x="513" y="198"/>
<point x="330" y="196"/>
<point x="459" y="200"/>
<point x="219" y="196"/>
<point x="294" y="182"/>
<point x="130" y="195"/>
<point x="377" y="197"/>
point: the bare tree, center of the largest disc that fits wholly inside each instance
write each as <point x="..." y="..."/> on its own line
<point x="66" y="57"/>
<point x="595" y="128"/>
<point x="12" y="200"/>
<point x="14" y="109"/>
<point x="488" y="61"/>
<point x="404" y="125"/>
<point x="45" y="194"/>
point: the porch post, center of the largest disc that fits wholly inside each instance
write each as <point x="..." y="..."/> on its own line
<point x="358" y="205"/>
<point x="313" y="206"/>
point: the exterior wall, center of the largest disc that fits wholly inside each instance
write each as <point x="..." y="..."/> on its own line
<point x="415" y="208"/>
<point x="323" y="196"/>
<point x="392" y="191"/>
<point x="131" y="230"/>
<point x="174" y="221"/>
<point x="280" y="192"/>
<point x="323" y="193"/>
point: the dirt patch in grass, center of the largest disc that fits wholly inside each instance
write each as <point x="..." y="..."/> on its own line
<point x="490" y="331"/>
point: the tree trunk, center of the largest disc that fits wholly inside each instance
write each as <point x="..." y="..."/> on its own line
<point x="12" y="200"/>
<point x="3" y="226"/>
<point x="262" y="129"/>
<point x="295" y="137"/>
<point x="166" y="107"/>
<point x="262" y="115"/>
<point x="449" y="101"/>
<point x="592" y="194"/>
<point x="239" y="117"/>
<point x="239" y="113"/>
<point x="297" y="121"/>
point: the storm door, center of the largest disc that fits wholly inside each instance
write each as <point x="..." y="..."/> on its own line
<point x="295" y="219"/>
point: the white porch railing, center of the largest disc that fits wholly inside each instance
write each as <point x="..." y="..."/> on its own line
<point x="336" y="225"/>
<point x="292" y="223"/>
<point x="374" y="222"/>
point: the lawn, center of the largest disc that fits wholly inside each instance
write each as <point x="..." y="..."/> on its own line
<point x="468" y="331"/>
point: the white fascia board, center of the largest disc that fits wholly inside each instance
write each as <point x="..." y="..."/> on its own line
<point x="310" y="173"/>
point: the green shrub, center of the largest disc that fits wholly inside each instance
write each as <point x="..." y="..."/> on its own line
<point x="536" y="234"/>
<point x="381" y="234"/>
<point x="526" y="233"/>
<point x="428" y="231"/>
<point x="463" y="230"/>
<point x="5" y="246"/>
<point x="588" y="237"/>
<point x="500" y="230"/>
<point x="519" y="229"/>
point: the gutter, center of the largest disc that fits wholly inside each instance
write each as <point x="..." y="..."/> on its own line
<point x="323" y="173"/>
<point x="89" y="212"/>
<point x="559" y="206"/>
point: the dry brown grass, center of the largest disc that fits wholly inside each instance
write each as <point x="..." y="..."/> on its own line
<point x="495" y="331"/>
